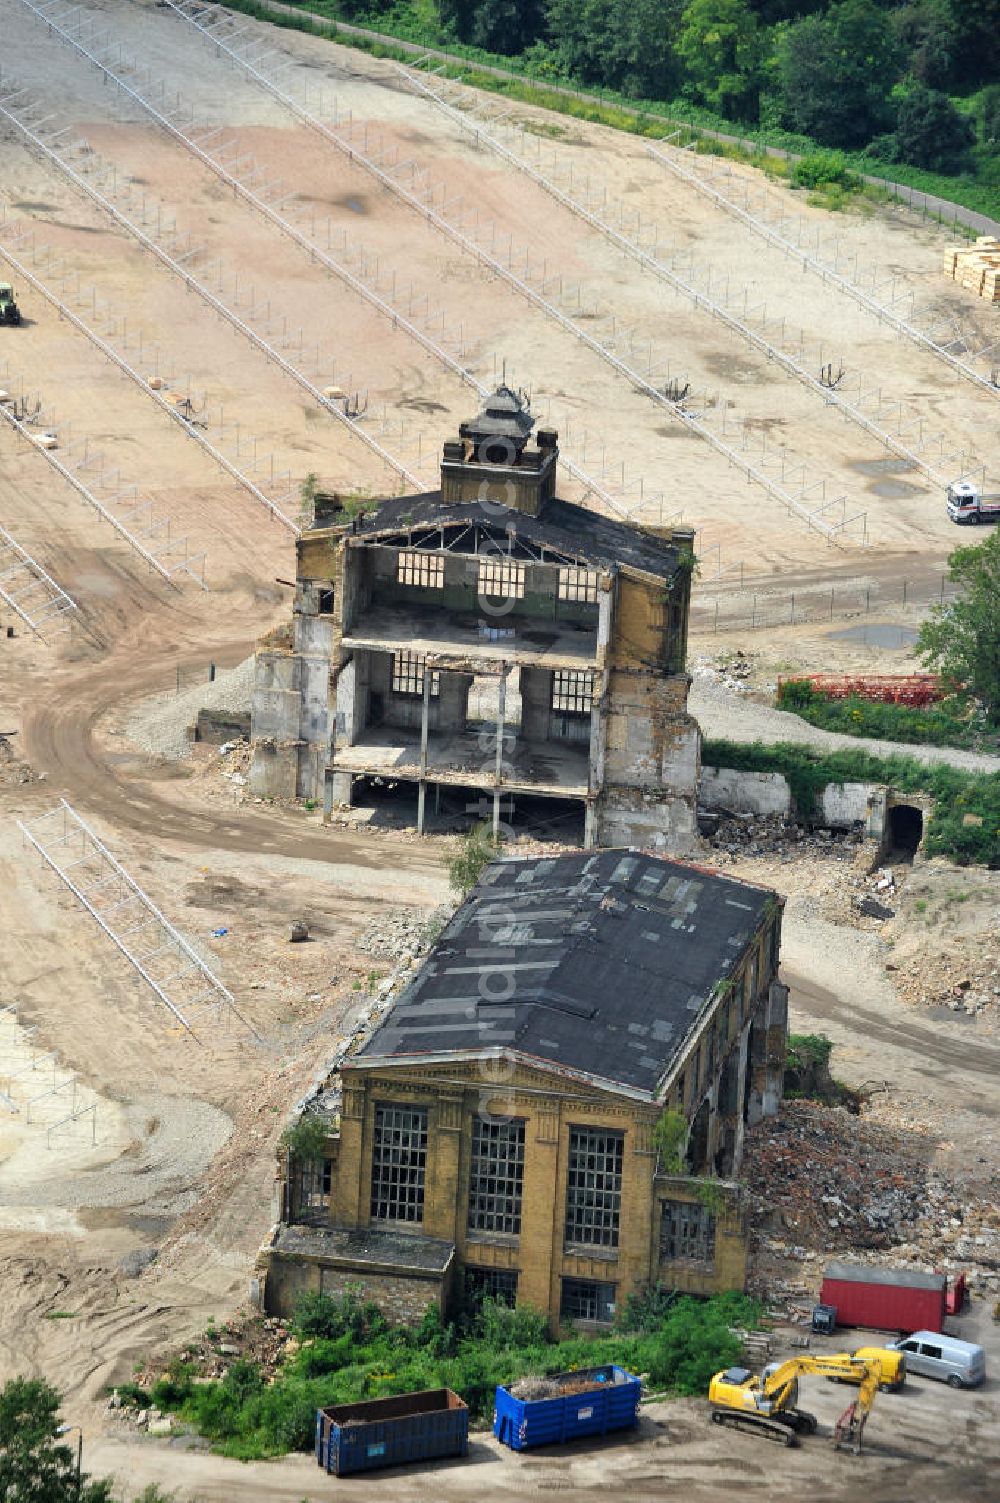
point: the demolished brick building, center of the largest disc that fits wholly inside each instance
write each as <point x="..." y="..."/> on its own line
<point x="489" y="642"/>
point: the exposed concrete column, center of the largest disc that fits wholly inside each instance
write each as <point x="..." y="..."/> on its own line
<point x="741" y="1096"/>
<point x="501" y="709"/>
<point x="424" y="722"/>
<point x="589" y="826"/>
<point x="776" y="1047"/>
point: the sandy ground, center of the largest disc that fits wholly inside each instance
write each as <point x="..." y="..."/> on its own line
<point x="124" y="1230"/>
<point x="905" y="513"/>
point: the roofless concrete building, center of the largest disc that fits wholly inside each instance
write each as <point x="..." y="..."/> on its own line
<point x="487" y="649"/>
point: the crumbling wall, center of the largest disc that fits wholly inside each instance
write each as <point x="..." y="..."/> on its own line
<point x="274" y="725"/>
<point x="652" y="748"/>
<point x="839" y="806"/>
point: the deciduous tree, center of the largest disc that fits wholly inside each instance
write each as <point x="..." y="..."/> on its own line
<point x="35" y="1466"/>
<point x="720" y="47"/>
<point x="961" y="640"/>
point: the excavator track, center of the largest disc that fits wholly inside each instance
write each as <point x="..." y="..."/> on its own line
<point x="757" y="1424"/>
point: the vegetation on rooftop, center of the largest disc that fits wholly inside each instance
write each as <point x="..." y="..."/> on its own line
<point x="476" y="850"/>
<point x="347" y="1351"/>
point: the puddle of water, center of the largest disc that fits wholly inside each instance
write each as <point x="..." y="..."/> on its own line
<point x="895" y="637"/>
<point x="873" y="468"/>
<point x="895" y="490"/>
<point x="945" y="1015"/>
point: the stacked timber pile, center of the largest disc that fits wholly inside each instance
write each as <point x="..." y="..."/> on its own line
<point x="976" y="267"/>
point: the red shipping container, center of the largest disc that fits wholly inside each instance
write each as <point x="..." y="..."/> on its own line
<point x="885" y="1299"/>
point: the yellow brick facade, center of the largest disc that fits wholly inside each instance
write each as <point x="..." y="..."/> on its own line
<point x="550" y="1106"/>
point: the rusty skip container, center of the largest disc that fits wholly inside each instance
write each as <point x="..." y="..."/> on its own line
<point x="391" y="1432"/>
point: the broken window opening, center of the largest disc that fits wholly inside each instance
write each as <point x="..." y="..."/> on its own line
<point x="594" y="1187"/>
<point x="687" y="1230"/>
<point x="424" y="570"/>
<point x="584" y="1299"/>
<point x="499" y="1284"/>
<point x="501" y="578"/>
<point x="408" y="670"/>
<point x="496" y="1176"/>
<point x="313" y="1180"/>
<point x="578" y="584"/>
<point x="325" y="606"/>
<point x="399" y="1162"/>
<point x="573" y="691"/>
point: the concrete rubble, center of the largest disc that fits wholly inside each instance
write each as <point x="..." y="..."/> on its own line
<point x="824" y="1183"/>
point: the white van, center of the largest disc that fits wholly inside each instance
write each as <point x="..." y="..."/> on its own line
<point x="961" y="1364"/>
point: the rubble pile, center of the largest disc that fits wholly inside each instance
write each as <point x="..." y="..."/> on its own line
<point x="823" y="1174"/>
<point x="741" y="835"/>
<point x="823" y="1183"/>
<point x="403" y="933"/>
<point x="968" y="983"/>
<point x="250" y="1338"/>
<point x="733" y="670"/>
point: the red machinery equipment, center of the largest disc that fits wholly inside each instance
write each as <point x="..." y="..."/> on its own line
<point x="915" y="689"/>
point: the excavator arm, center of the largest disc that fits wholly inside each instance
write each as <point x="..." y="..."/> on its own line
<point x="769" y="1404"/>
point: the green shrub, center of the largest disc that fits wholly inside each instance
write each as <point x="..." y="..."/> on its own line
<point x="680" y="1342"/>
<point x="331" y="1316"/>
<point x="135" y="1394"/>
<point x="306" y="1138"/>
<point x="819" y="168"/>
<point x="477" y="850"/>
<point x="952" y="721"/>
<point x="170" y="1392"/>
<point x="648" y="1309"/>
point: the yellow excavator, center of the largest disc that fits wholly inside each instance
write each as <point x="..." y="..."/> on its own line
<point x="768" y="1405"/>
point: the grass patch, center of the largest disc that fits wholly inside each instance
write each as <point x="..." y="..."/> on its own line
<point x="59" y="1315"/>
<point x="953" y="721"/>
<point x="956" y="794"/>
<point x="350" y="1352"/>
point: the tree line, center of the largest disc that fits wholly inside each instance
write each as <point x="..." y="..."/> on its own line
<point x="878" y="75"/>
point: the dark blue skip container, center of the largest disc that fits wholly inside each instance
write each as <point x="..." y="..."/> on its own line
<point x="610" y="1401"/>
<point x="390" y="1432"/>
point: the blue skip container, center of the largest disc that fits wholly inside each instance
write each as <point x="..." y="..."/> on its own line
<point x="595" y="1400"/>
<point x="391" y="1432"/>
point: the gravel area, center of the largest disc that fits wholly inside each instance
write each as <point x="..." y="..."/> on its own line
<point x="733" y="717"/>
<point x="159" y="724"/>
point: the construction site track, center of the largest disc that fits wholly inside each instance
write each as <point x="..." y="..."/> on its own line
<point x="60" y="740"/>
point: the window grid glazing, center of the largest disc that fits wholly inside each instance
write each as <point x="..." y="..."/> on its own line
<point x="498" y="1284"/>
<point x="497" y="1176"/>
<point x="687" y="1230"/>
<point x="594" y="1187"/>
<point x="399" y="1162"/>
<point x="583" y="1299"/>
<point x="501" y="578"/>
<point x="577" y="584"/>
<point x="408" y="669"/>
<point x="572" y="691"/>
<point x="425" y="570"/>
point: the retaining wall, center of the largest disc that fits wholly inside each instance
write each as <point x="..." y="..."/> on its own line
<point x="841" y="806"/>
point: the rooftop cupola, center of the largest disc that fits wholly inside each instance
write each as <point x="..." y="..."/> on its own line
<point x="493" y="461"/>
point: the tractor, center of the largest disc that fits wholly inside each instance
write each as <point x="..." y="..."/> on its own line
<point x="10" y="313"/>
